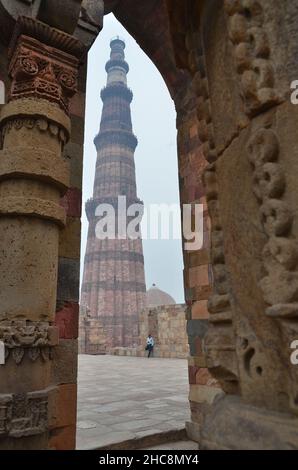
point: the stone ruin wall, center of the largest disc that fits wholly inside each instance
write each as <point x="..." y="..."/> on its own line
<point x="92" y="337"/>
<point x="167" y="325"/>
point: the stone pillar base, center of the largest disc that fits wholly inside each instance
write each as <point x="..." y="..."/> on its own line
<point x="233" y="425"/>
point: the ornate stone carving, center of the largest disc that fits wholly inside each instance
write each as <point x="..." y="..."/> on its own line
<point x="42" y="72"/>
<point x="23" y="414"/>
<point x="33" y="338"/>
<point x="41" y="124"/>
<point x="232" y="424"/>
<point x="280" y="255"/>
<point x="252" y="54"/>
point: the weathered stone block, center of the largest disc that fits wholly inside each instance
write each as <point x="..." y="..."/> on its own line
<point x="199" y="310"/>
<point x="232" y="424"/>
<point x="204" y="393"/>
<point x="189" y="293"/>
<point x="197" y="328"/>
<point x="64" y="362"/>
<point x="198" y="258"/>
<point x="63" y="438"/>
<point x="68" y="280"/>
<point x="70" y="238"/>
<point x="203" y="377"/>
<point x="32" y="245"/>
<point x="72" y="202"/>
<point x="67" y="320"/>
<point x="199" y="276"/>
<point x="193" y="431"/>
<point x="198" y="346"/>
<point x="192" y="371"/>
<point x="202" y="292"/>
<point x="77" y="129"/>
<point x="62" y="406"/>
<point x="198" y="361"/>
<point x="77" y="105"/>
<point x="74" y="153"/>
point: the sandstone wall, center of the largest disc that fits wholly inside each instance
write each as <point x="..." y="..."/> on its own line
<point x="167" y="325"/>
<point x="92" y="337"/>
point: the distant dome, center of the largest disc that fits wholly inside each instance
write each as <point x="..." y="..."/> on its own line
<point x="157" y="297"/>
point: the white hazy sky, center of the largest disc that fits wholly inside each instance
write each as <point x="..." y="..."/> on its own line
<point x="153" y="116"/>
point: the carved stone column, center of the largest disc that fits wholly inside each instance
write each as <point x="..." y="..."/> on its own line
<point x="33" y="176"/>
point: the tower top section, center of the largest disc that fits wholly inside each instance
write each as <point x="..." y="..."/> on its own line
<point x="116" y="125"/>
<point x="117" y="68"/>
<point x="117" y="42"/>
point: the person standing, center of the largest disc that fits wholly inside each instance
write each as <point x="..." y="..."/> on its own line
<point x="150" y="345"/>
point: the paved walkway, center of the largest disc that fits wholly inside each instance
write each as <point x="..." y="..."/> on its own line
<point x="122" y="398"/>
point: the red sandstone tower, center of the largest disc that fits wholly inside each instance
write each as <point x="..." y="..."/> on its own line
<point x="113" y="289"/>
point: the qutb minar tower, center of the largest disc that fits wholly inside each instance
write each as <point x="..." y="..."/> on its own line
<point x="113" y="289"/>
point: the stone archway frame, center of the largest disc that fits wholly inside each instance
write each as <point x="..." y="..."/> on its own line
<point x="246" y="122"/>
<point x="248" y="333"/>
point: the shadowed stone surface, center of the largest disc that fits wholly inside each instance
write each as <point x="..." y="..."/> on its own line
<point x="179" y="445"/>
<point x="122" y="398"/>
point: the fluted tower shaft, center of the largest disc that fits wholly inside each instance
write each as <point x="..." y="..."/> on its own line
<point x="113" y="289"/>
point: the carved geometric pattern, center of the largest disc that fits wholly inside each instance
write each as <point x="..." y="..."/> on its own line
<point x="23" y="414"/>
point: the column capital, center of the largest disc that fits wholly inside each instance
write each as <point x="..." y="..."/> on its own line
<point x="43" y="63"/>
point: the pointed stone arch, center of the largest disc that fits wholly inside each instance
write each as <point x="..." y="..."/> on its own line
<point x="221" y="61"/>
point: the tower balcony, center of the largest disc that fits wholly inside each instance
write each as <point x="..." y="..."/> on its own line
<point x="117" y="136"/>
<point x="117" y="63"/>
<point x="118" y="89"/>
